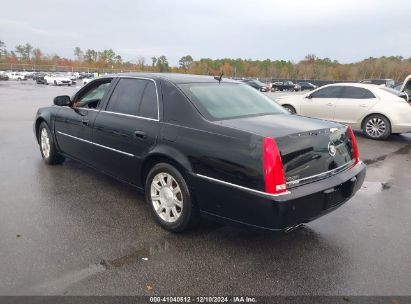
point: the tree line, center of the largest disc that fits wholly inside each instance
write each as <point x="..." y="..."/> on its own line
<point x="311" y="67"/>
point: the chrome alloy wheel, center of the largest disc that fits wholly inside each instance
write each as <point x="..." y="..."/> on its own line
<point x="166" y="197"/>
<point x="45" y="143"/>
<point x="375" y="127"/>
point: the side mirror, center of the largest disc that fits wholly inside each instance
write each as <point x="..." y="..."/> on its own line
<point x="308" y="96"/>
<point x="63" y="100"/>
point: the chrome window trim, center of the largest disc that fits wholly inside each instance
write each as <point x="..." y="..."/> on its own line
<point x="142" y="78"/>
<point x="88" y="109"/>
<point x="96" y="144"/>
<point x="129" y="115"/>
<point x="320" y="175"/>
<point x="241" y="187"/>
<point x="109" y="112"/>
<point x="123" y="114"/>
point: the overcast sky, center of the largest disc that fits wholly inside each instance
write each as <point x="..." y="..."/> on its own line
<point x="345" y="30"/>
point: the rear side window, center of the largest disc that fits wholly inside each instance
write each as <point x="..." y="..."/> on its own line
<point x="148" y="106"/>
<point x="328" y="92"/>
<point x="135" y="97"/>
<point x="356" y="93"/>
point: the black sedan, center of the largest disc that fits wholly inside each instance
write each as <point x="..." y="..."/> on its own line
<point x="305" y="85"/>
<point x="256" y="84"/>
<point x="39" y="78"/>
<point x="199" y="146"/>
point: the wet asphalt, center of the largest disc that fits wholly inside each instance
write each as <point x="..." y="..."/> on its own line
<point x="68" y="230"/>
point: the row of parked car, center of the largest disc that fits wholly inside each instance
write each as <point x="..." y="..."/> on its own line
<point x="55" y="78"/>
<point x="280" y="85"/>
<point x="289" y="85"/>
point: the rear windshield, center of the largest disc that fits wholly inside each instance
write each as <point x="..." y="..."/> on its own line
<point x="229" y="100"/>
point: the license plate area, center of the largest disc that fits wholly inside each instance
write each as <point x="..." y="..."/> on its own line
<point x="335" y="196"/>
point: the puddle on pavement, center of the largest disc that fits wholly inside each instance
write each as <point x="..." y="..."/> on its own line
<point x="143" y="254"/>
<point x="375" y="187"/>
<point x="374" y="160"/>
<point x="402" y="151"/>
<point x="57" y="285"/>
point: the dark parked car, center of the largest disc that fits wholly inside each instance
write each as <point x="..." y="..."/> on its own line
<point x="256" y="84"/>
<point x="283" y="86"/>
<point x="39" y="78"/>
<point x="304" y="85"/>
<point x="3" y="76"/>
<point x="196" y="146"/>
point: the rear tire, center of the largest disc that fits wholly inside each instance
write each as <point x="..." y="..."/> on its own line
<point x="48" y="148"/>
<point x="169" y="198"/>
<point x="290" y="109"/>
<point x="376" y="126"/>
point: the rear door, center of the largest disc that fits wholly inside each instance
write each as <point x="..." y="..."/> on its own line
<point x="73" y="125"/>
<point x="353" y="103"/>
<point x="127" y="129"/>
<point x="321" y="103"/>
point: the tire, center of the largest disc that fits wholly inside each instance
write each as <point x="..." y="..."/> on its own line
<point x="173" y="209"/>
<point x="376" y="126"/>
<point x="290" y="109"/>
<point x="47" y="146"/>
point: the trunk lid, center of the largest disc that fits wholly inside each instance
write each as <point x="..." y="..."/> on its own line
<point x="310" y="149"/>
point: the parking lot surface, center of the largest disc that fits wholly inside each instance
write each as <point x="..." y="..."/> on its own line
<point x="68" y="230"/>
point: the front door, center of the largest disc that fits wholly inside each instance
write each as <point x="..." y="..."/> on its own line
<point x="321" y="103"/>
<point x="353" y="103"/>
<point x="126" y="130"/>
<point x="73" y="125"/>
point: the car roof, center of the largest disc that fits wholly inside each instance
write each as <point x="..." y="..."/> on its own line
<point x="175" y="77"/>
<point x="355" y="84"/>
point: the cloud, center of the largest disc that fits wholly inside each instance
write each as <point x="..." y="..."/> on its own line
<point x="346" y="30"/>
<point x="19" y="28"/>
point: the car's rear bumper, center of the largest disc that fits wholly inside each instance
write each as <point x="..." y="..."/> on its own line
<point x="302" y="204"/>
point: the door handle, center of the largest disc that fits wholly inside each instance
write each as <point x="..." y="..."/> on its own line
<point x="329" y="104"/>
<point x="363" y="105"/>
<point x="85" y="122"/>
<point x="141" y="135"/>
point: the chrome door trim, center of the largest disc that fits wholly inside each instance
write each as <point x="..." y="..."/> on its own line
<point x="96" y="144"/>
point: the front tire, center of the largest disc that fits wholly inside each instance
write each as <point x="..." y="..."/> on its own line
<point x="169" y="198"/>
<point x="377" y="127"/>
<point x="290" y="109"/>
<point x="47" y="146"/>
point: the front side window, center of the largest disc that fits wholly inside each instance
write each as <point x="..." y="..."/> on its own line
<point x="328" y="92"/>
<point x="224" y="101"/>
<point x="135" y="97"/>
<point x="92" y="97"/>
<point x="356" y="93"/>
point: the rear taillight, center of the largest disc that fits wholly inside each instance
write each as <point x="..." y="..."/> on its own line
<point x="354" y="145"/>
<point x="273" y="168"/>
